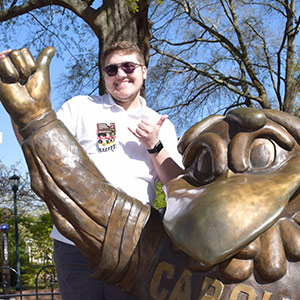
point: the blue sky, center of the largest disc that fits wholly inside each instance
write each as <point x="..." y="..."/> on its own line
<point x="10" y="150"/>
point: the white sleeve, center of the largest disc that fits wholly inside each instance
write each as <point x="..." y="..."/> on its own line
<point x="68" y="114"/>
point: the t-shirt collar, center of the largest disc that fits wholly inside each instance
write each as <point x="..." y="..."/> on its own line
<point x="112" y="103"/>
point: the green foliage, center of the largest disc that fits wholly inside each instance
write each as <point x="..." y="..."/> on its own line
<point x="160" y="197"/>
<point x="38" y="243"/>
<point x="133" y="5"/>
<point x="35" y="244"/>
<point x="34" y="227"/>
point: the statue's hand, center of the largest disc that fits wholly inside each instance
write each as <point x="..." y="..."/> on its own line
<point x="25" y="84"/>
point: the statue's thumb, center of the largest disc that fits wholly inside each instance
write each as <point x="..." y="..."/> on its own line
<point x="45" y="57"/>
<point x="39" y="85"/>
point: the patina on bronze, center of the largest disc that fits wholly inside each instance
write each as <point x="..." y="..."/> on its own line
<point x="232" y="222"/>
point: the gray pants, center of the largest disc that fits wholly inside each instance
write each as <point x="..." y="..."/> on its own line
<point x="73" y="277"/>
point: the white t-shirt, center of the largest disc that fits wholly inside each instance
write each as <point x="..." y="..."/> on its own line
<point x="116" y="152"/>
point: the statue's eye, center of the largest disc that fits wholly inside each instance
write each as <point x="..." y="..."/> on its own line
<point x="262" y="153"/>
<point x="205" y="158"/>
<point x="205" y="164"/>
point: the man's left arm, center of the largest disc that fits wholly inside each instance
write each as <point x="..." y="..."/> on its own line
<point x="161" y="144"/>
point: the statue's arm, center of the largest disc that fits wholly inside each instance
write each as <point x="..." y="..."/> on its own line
<point x="84" y="207"/>
<point x="118" y="234"/>
<point x="102" y="221"/>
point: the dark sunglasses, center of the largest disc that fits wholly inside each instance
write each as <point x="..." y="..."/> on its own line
<point x="127" y="67"/>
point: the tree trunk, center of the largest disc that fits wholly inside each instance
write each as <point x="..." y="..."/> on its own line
<point x="119" y="22"/>
<point x="291" y="85"/>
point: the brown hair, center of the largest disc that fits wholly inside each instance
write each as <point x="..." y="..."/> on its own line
<point x="125" y="47"/>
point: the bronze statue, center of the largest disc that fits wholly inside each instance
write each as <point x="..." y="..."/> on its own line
<point x="231" y="227"/>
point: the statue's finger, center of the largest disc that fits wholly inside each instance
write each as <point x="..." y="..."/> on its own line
<point x="20" y="63"/>
<point x="8" y="72"/>
<point x="45" y="57"/>
<point x="29" y="60"/>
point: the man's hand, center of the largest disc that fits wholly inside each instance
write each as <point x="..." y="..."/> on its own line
<point x="25" y="84"/>
<point x="147" y="133"/>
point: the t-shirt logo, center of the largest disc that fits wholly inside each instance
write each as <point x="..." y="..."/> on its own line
<point x="106" y="135"/>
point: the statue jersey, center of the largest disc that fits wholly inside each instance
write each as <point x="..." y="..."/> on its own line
<point x="101" y="128"/>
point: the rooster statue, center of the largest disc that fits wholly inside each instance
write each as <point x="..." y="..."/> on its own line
<point x="231" y="225"/>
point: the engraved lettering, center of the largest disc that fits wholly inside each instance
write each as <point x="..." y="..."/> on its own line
<point x="162" y="285"/>
<point x="266" y="296"/>
<point x="211" y="289"/>
<point x="182" y="289"/>
<point x="156" y="292"/>
<point x="242" y="288"/>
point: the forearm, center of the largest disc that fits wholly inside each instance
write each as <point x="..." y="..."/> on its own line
<point x="165" y="167"/>
<point x="99" y="219"/>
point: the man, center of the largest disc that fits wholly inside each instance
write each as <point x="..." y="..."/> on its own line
<point x="130" y="144"/>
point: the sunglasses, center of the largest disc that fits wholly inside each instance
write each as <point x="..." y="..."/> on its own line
<point x="127" y="67"/>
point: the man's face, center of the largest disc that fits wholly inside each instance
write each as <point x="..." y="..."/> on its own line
<point x="125" y="88"/>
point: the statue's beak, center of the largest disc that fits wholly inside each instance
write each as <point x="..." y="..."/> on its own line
<point x="213" y="222"/>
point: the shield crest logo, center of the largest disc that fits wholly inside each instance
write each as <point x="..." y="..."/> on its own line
<point x="106" y="135"/>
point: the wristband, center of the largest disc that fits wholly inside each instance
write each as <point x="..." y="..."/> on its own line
<point x="157" y="148"/>
<point x="38" y="123"/>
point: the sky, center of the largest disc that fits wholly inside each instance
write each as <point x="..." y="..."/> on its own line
<point x="10" y="151"/>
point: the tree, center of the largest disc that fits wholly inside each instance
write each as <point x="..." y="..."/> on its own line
<point x="27" y="200"/>
<point x="240" y="53"/>
<point x="34" y="225"/>
<point x="109" y="21"/>
<point x="206" y="56"/>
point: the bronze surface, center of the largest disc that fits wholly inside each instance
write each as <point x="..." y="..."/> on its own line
<point x="232" y="222"/>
